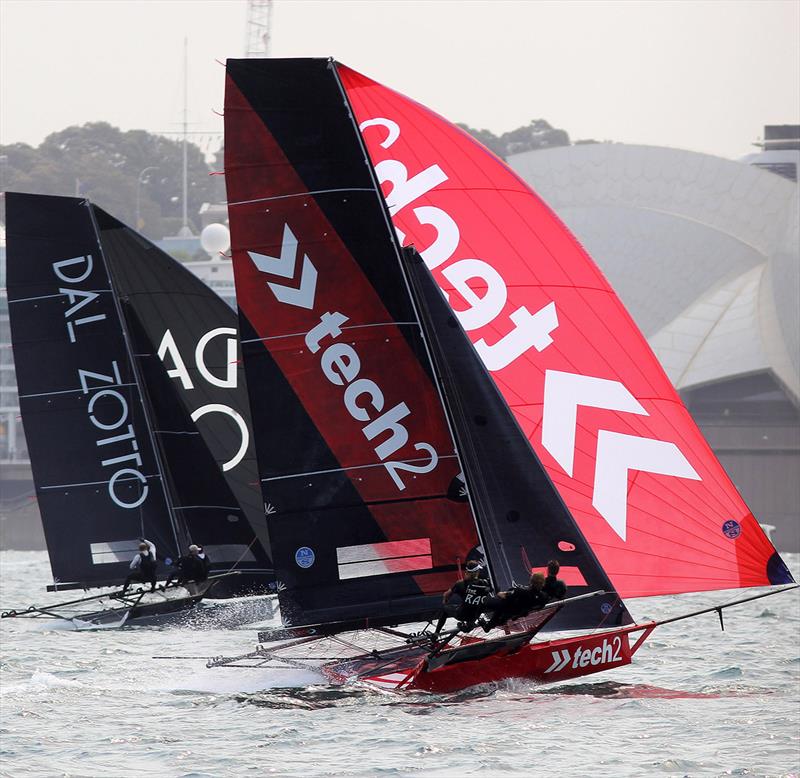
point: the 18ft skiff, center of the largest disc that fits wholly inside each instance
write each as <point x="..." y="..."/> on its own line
<point x="488" y="397"/>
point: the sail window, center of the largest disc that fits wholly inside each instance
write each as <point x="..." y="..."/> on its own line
<point x="116" y="551"/>
<point x="399" y="556"/>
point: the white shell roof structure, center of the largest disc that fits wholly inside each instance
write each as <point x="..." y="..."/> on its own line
<point x="702" y="250"/>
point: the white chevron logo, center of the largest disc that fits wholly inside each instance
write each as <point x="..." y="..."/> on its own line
<point x="616" y="453"/>
<point x="563" y="393"/>
<point x="560" y="660"/>
<point x="285" y="266"/>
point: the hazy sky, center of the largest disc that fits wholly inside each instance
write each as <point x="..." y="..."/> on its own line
<point x="704" y="76"/>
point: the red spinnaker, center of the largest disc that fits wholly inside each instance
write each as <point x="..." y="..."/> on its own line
<point x="645" y="488"/>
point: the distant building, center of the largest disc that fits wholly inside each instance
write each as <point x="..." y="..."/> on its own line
<point x="780" y="152"/>
<point x="704" y="252"/>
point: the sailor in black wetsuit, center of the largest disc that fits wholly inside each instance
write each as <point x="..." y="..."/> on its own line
<point x="192" y="567"/>
<point x="203" y="557"/>
<point x="516" y="603"/>
<point x="471" y="591"/>
<point x="143" y="566"/>
<point x="554" y="588"/>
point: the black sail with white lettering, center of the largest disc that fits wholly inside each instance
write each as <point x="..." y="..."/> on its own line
<point x="523" y="520"/>
<point x="355" y="456"/>
<point x="96" y="473"/>
<point x="184" y="338"/>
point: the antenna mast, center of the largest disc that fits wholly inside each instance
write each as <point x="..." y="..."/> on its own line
<point x="185" y="231"/>
<point x="258" y="30"/>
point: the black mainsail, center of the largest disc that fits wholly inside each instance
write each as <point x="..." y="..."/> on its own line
<point x="336" y="359"/>
<point x="137" y="422"/>
<point x="359" y="461"/>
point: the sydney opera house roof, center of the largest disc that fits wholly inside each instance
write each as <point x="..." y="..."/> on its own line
<point x="703" y="251"/>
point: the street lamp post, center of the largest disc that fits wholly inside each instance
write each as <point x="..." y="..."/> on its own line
<point x="139" y="182"/>
<point x="3" y="160"/>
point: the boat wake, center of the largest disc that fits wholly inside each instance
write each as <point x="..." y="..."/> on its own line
<point x="243" y="685"/>
<point x="41" y="681"/>
<point x="311" y="697"/>
<point x="636" y="691"/>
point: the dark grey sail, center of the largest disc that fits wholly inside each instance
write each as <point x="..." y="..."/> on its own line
<point x="96" y="471"/>
<point x="185" y="342"/>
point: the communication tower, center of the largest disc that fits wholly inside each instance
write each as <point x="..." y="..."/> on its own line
<point x="257" y="35"/>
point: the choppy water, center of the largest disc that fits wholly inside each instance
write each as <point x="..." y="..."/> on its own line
<point x="696" y="702"/>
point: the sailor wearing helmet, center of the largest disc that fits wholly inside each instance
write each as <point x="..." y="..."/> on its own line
<point x="192" y="567"/>
<point x="465" y="599"/>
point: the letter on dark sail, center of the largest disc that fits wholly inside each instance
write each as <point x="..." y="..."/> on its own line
<point x="97" y="478"/>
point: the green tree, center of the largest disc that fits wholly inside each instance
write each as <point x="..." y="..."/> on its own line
<point x="539" y="134"/>
<point x="103" y="163"/>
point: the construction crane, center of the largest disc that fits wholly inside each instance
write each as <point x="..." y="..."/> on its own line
<point x="257" y="34"/>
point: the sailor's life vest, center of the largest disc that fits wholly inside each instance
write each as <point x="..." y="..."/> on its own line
<point x="554" y="588"/>
<point x="194" y="567"/>
<point x="473" y="595"/>
<point x="147" y="565"/>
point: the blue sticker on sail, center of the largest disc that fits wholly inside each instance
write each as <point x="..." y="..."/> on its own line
<point x="606" y="608"/>
<point x="731" y="529"/>
<point x="304" y="557"/>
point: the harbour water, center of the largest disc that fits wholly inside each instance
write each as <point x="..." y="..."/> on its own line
<point x="696" y="702"/>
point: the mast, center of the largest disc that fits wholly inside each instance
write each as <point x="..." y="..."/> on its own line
<point x="415" y="306"/>
<point x="185" y="231"/>
<point x="258" y="37"/>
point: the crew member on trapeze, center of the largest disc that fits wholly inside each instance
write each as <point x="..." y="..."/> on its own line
<point x="515" y="603"/>
<point x="519" y="601"/>
<point x="143" y="566"/>
<point x="193" y="566"/>
<point x="554" y="587"/>
<point x="472" y="591"/>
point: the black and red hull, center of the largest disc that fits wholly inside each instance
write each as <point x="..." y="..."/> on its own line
<point x="478" y="661"/>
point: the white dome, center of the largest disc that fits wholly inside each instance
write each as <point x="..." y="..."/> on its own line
<point x="215" y="238"/>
